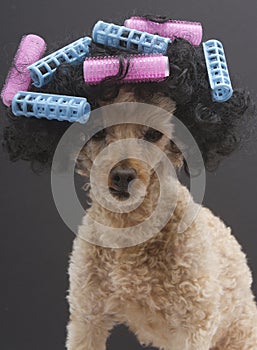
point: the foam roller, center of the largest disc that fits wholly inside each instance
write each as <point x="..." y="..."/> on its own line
<point x="31" y="49"/>
<point x="60" y="107"/>
<point x="128" y="39"/>
<point x="141" y="68"/>
<point x="217" y="70"/>
<point x="190" y="31"/>
<point x="42" y="71"/>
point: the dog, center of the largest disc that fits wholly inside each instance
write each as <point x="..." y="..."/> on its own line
<point x="189" y="290"/>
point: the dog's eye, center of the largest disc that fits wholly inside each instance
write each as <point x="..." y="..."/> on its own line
<point x="100" y="135"/>
<point x="153" y="135"/>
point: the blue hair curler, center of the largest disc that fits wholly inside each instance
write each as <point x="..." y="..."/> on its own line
<point x="128" y="39"/>
<point x="217" y="70"/>
<point x="60" y="107"/>
<point x="42" y="71"/>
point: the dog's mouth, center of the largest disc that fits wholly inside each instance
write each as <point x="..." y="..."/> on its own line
<point x="120" y="194"/>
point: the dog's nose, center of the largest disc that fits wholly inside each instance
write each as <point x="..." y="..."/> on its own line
<point x="121" y="177"/>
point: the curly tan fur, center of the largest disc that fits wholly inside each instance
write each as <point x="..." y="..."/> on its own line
<point x="186" y="291"/>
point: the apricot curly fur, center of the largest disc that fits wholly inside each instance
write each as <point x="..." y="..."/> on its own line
<point x="189" y="291"/>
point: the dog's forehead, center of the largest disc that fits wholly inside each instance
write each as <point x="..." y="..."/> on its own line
<point x="127" y="130"/>
<point x="139" y="115"/>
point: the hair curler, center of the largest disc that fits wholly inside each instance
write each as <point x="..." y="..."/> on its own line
<point x="42" y="71"/>
<point x="190" y="31"/>
<point x="31" y="48"/>
<point x="127" y="39"/>
<point x="140" y="68"/>
<point x="217" y="70"/>
<point x="60" y="107"/>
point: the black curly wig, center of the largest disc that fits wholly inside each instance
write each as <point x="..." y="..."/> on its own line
<point x="218" y="128"/>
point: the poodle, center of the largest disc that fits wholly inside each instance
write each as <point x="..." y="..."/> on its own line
<point x="189" y="290"/>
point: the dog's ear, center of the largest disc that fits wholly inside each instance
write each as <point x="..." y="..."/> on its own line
<point x="83" y="163"/>
<point x="175" y="155"/>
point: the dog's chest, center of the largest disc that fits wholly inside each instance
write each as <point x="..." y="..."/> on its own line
<point x="132" y="278"/>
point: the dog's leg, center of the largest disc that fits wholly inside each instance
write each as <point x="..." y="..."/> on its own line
<point x="89" y="323"/>
<point x="88" y="333"/>
<point x="242" y="334"/>
<point x="88" y="295"/>
<point x="192" y="341"/>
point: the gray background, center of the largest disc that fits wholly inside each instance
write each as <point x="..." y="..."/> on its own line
<point x="35" y="243"/>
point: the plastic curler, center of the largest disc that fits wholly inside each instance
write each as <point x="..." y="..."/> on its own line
<point x="31" y="49"/>
<point x="217" y="70"/>
<point x="127" y="39"/>
<point x="60" y="107"/>
<point x="141" y="68"/>
<point x="42" y="71"/>
<point x="190" y="31"/>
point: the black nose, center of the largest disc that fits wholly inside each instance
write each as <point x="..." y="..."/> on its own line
<point x="121" y="177"/>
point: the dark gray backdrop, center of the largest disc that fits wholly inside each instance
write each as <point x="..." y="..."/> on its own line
<point x="35" y="243"/>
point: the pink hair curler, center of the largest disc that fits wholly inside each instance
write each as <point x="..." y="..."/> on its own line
<point x="141" y="68"/>
<point x="31" y="49"/>
<point x="190" y="31"/>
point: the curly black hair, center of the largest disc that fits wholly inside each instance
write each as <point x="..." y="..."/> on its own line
<point x="218" y="128"/>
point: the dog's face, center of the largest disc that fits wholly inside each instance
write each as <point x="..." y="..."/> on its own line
<point x="122" y="174"/>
